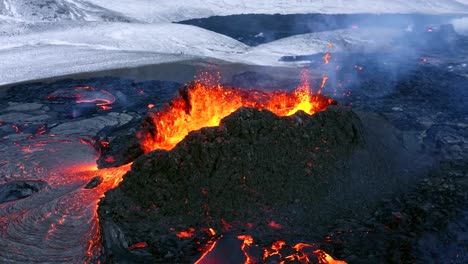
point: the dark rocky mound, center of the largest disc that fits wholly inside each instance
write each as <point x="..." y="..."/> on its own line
<point x="19" y="189"/>
<point x="300" y="171"/>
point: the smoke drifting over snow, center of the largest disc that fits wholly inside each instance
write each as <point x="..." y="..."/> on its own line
<point x="71" y="36"/>
<point x="461" y="25"/>
<point x="362" y="56"/>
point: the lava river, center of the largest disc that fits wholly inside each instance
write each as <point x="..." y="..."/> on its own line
<point x="58" y="224"/>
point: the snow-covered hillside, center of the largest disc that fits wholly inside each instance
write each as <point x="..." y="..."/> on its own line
<point x="84" y="47"/>
<point x="46" y="38"/>
<point x="177" y="10"/>
<point x="33" y="63"/>
<point x="57" y="10"/>
<point x="161" y="38"/>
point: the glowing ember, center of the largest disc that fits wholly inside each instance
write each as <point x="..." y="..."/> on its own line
<point x="274" y="225"/>
<point x="206" y="102"/>
<point x="16" y="128"/>
<point x="324" y="258"/>
<point x="324" y="82"/>
<point x="40" y="131"/>
<point x="359" y="68"/>
<point x="211" y="231"/>
<point x="137" y="246"/>
<point x="304" y="253"/>
<point x="326" y="58"/>
<point x="186" y="233"/>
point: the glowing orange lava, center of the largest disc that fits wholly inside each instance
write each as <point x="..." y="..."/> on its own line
<point x="186" y="233"/>
<point x="305" y="253"/>
<point x="88" y="94"/>
<point x="247" y="242"/>
<point x="326" y="58"/>
<point x="208" y="249"/>
<point x="206" y="102"/>
<point x="300" y="253"/>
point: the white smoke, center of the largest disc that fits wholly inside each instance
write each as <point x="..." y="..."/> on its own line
<point x="461" y="25"/>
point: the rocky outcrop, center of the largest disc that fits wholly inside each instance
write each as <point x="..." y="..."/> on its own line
<point x="19" y="189"/>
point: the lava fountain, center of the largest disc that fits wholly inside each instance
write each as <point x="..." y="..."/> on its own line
<point x="206" y="102"/>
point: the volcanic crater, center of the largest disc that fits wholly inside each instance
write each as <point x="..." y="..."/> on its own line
<point x="258" y="174"/>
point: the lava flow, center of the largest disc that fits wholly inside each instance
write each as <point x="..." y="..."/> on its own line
<point x="58" y="224"/>
<point x="206" y="102"/>
<point x="86" y="94"/>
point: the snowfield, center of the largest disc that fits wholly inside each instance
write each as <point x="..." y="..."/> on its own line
<point x="161" y="38"/>
<point x="177" y="10"/>
<point x="57" y="10"/>
<point x="47" y="38"/>
<point x="33" y="63"/>
<point x="88" y="47"/>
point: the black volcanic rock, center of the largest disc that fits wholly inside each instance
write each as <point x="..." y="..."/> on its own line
<point x="122" y="150"/>
<point x="19" y="189"/>
<point x="94" y="182"/>
<point x="254" y="169"/>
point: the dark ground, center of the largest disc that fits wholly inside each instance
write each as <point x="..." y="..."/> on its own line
<point x="254" y="30"/>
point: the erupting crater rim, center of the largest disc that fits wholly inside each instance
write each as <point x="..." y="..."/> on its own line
<point x="205" y="102"/>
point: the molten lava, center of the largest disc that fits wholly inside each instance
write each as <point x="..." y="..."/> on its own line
<point x="206" y="102"/>
<point x="303" y="253"/>
<point x="86" y="94"/>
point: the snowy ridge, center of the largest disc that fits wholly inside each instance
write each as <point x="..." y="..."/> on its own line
<point x="57" y="10"/>
<point x="161" y="38"/>
<point x="87" y="47"/>
<point x="177" y="10"/>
